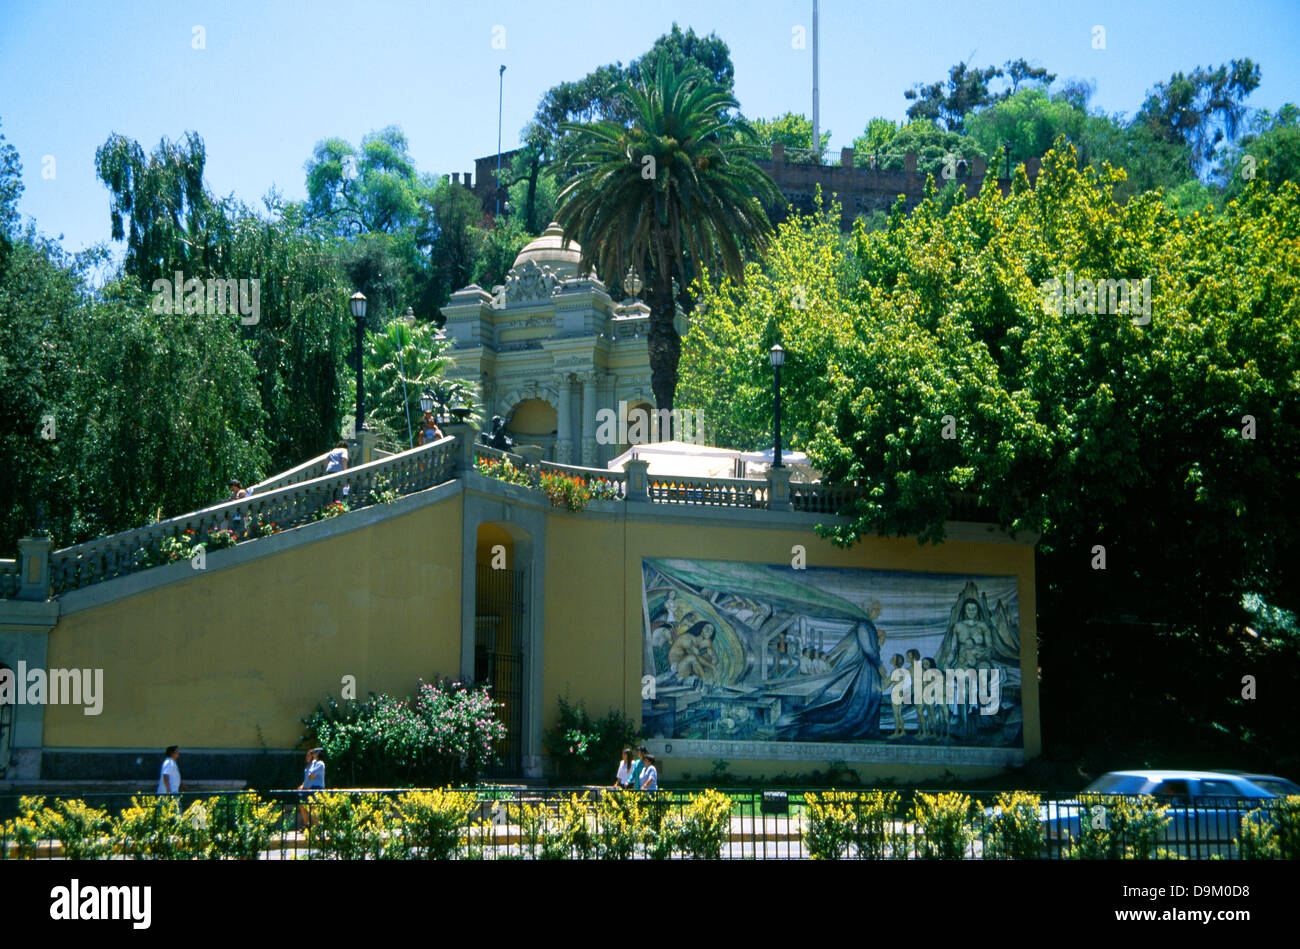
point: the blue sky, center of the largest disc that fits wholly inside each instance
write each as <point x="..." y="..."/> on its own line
<point x="276" y="77"/>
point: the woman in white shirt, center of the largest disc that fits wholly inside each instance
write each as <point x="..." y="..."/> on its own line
<point x="624" y="778"/>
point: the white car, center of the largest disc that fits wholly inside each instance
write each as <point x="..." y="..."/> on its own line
<point x="1205" y="808"/>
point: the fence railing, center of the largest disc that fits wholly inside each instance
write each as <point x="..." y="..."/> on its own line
<point x="594" y="823"/>
<point x="280" y="509"/>
<point x="304" y="472"/>
<point x="714" y="492"/>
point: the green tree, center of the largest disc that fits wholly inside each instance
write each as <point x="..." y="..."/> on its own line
<point x="452" y="233"/>
<point x="1029" y="121"/>
<point x="162" y="209"/>
<point x="950" y="100"/>
<point x="401" y="360"/>
<point x="939" y="153"/>
<point x="1270" y="152"/>
<point x="1200" y="110"/>
<point x="673" y="193"/>
<point x="360" y="191"/>
<point x="794" y="131"/>
<point x="877" y="136"/>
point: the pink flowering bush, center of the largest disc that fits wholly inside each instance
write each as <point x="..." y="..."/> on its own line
<point x="447" y="733"/>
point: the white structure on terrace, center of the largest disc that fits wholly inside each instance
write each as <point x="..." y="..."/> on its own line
<point x="550" y="349"/>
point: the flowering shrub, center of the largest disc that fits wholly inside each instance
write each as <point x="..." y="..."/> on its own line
<point x="260" y="525"/>
<point x="602" y="489"/>
<point x="565" y="489"/>
<point x="704" y="826"/>
<point x="221" y="538"/>
<point x="587" y="749"/>
<point x="502" y="470"/>
<point x="446" y="733"/>
<point x="945" y="824"/>
<point x="432" y="822"/>
<point x="333" y="509"/>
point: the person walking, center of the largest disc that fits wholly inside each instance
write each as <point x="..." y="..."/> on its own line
<point x="649" y="774"/>
<point x="624" y="779"/>
<point x="313" y="780"/>
<point x="337" y="462"/>
<point x="169" y="779"/>
<point x="634" y="779"/>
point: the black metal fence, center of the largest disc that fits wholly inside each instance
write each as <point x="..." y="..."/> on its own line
<point x="593" y="823"/>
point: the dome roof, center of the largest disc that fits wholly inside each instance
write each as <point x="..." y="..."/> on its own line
<point x="549" y="251"/>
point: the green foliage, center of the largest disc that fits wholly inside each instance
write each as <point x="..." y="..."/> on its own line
<point x="795" y="132"/>
<point x="704" y="826"/>
<point x="938" y="152"/>
<point x="949" y="101"/>
<point x="446" y="733"/>
<point x="358" y="191"/>
<point x="619" y="825"/>
<point x="588" y="750"/>
<point x="333" y="509"/>
<point x="1270" y="151"/>
<point x="1272" y="833"/>
<point x="432" y="822"/>
<point x="1131" y="829"/>
<point x="1015" y="831"/>
<point x="80" y="828"/>
<point x="830" y="822"/>
<point x="702" y="206"/>
<point x="25" y="830"/>
<point x="348" y="826"/>
<point x="567" y="490"/>
<point x="877" y="135"/>
<point x="502" y="469"/>
<point x="401" y="361"/>
<point x="151" y="828"/>
<point x="1200" y="110"/>
<point x="945" y="827"/>
<point x="240" y="826"/>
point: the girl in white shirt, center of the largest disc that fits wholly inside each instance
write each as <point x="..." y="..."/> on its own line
<point x="624" y="778"/>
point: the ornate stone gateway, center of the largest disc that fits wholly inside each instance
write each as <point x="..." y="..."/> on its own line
<point x="552" y="337"/>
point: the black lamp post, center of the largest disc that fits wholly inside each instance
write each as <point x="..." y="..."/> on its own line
<point x="426" y="401"/>
<point x="777" y="355"/>
<point x="358" y="303"/>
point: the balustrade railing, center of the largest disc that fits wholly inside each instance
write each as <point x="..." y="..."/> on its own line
<point x="255" y="515"/>
<point x="304" y="472"/>
<point x="601" y="481"/>
<point x="714" y="492"/>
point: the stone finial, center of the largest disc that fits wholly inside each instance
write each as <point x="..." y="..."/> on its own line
<point x="909" y="163"/>
<point x="846" y="157"/>
<point x="778" y="153"/>
<point x="979" y="168"/>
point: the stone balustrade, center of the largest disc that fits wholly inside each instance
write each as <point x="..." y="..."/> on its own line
<point x="286" y="507"/>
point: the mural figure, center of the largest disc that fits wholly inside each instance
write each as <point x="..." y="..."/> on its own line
<point x="758" y="653"/>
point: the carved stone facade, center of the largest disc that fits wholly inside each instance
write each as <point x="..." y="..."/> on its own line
<point x="550" y="337"/>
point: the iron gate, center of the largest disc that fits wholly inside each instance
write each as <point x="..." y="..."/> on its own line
<point x="499" y="617"/>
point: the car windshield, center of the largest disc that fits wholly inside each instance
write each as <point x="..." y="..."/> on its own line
<point x="1117" y="784"/>
<point x="1276" y="785"/>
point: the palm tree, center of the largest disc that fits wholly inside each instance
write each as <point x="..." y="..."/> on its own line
<point x="672" y="194"/>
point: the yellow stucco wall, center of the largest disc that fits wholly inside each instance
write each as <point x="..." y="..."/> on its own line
<point x="593" y="574"/>
<point x="204" y="662"/>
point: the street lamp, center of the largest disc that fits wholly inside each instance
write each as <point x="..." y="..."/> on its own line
<point x="426" y="401"/>
<point x="358" y="304"/>
<point x="632" y="283"/>
<point x="777" y="355"/>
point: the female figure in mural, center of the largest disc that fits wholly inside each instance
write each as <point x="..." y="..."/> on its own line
<point x="848" y="706"/>
<point x="692" y="655"/>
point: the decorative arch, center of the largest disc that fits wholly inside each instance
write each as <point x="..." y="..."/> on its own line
<point x="532" y="390"/>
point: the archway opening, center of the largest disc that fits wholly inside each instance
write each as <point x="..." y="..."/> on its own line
<point x="500" y="630"/>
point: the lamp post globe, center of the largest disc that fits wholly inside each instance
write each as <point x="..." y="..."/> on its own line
<point x="426" y="401"/>
<point x="358" y="306"/>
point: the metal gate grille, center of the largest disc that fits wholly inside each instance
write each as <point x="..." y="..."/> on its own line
<point x="499" y="614"/>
